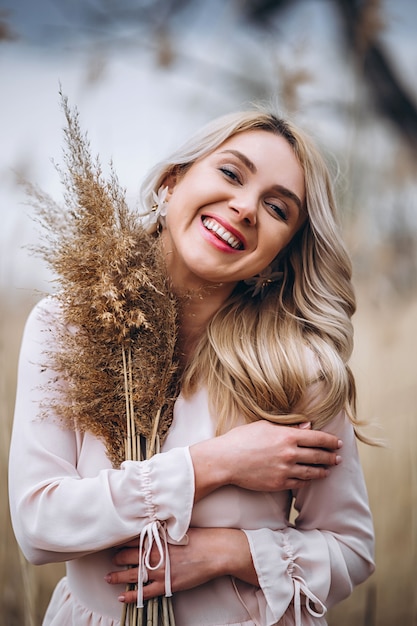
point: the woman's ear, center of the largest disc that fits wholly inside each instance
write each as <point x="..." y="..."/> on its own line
<point x="170" y="181"/>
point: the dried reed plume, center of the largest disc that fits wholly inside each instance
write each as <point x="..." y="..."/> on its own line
<point x="114" y="351"/>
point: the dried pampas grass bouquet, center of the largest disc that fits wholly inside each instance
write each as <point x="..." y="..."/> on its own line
<point x="116" y="341"/>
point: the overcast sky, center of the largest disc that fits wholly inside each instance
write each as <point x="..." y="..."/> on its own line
<point x="135" y="110"/>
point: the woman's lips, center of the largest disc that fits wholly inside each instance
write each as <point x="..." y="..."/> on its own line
<point x="231" y="238"/>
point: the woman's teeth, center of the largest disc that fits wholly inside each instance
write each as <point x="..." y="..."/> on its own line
<point x="222" y="233"/>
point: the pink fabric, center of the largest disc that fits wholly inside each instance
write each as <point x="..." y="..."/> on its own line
<point x="72" y="506"/>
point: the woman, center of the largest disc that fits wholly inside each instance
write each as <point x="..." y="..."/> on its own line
<point x="246" y="219"/>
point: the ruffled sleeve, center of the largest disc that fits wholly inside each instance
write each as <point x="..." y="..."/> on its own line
<point x="59" y="513"/>
<point x="316" y="563"/>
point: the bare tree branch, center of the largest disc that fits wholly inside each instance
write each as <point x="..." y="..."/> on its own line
<point x="390" y="96"/>
<point x="362" y="21"/>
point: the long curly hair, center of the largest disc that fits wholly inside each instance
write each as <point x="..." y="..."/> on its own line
<point x="281" y="354"/>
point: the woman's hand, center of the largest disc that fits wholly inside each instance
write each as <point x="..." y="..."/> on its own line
<point x="210" y="553"/>
<point x="263" y="457"/>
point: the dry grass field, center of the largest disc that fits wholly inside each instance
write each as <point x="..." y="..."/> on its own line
<point x="385" y="366"/>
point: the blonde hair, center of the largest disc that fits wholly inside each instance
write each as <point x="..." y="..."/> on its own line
<point x="282" y="354"/>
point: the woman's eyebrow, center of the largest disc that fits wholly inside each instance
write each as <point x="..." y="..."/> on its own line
<point x="287" y="193"/>
<point x="284" y="191"/>
<point x="251" y="166"/>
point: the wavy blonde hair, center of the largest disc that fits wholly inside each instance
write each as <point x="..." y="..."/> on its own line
<point x="282" y="354"/>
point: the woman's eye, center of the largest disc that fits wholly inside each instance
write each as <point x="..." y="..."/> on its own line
<point x="277" y="210"/>
<point x="229" y="174"/>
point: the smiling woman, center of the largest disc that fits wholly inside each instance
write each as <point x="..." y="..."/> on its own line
<point x="249" y="191"/>
<point x="265" y="418"/>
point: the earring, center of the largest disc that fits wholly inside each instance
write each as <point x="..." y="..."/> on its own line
<point x="258" y="284"/>
<point x="157" y="214"/>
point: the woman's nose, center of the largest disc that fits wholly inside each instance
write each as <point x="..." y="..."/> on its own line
<point x="244" y="206"/>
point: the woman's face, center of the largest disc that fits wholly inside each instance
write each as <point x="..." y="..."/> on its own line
<point x="233" y="211"/>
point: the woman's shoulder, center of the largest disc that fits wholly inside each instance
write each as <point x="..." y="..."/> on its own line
<point x="45" y="315"/>
<point x="48" y="304"/>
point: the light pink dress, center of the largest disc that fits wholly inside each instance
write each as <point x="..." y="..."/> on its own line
<point x="68" y="504"/>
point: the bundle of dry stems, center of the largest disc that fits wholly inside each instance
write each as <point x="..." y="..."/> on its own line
<point x="115" y="352"/>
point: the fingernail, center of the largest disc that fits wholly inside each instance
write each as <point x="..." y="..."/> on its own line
<point x="107" y="578"/>
<point x="304" y="425"/>
<point x="121" y="598"/>
<point x="340" y="443"/>
<point x="338" y="459"/>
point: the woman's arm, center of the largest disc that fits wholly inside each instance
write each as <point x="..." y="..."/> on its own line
<point x="263" y="457"/>
<point x="235" y="458"/>
<point x="209" y="553"/>
<point x="330" y="548"/>
<point x="59" y="514"/>
<point x="319" y="560"/>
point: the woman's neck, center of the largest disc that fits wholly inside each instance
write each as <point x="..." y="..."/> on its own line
<point x="196" y="311"/>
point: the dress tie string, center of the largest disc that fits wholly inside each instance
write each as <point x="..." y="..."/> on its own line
<point x="300" y="586"/>
<point x="154" y="532"/>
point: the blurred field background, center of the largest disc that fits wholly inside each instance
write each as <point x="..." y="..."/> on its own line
<point x="143" y="75"/>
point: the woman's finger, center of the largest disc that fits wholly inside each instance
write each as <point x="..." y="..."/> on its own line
<point x="151" y="590"/>
<point x="122" y="577"/>
<point x="128" y="597"/>
<point x="127" y="556"/>
<point x="316" y="456"/>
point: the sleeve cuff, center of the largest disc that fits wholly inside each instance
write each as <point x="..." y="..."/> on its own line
<point x="167" y="484"/>
<point x="283" y="566"/>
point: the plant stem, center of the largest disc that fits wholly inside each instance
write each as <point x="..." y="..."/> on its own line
<point x="132" y="408"/>
<point x="171" y="612"/>
<point x="131" y="615"/>
<point x="128" y="442"/>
